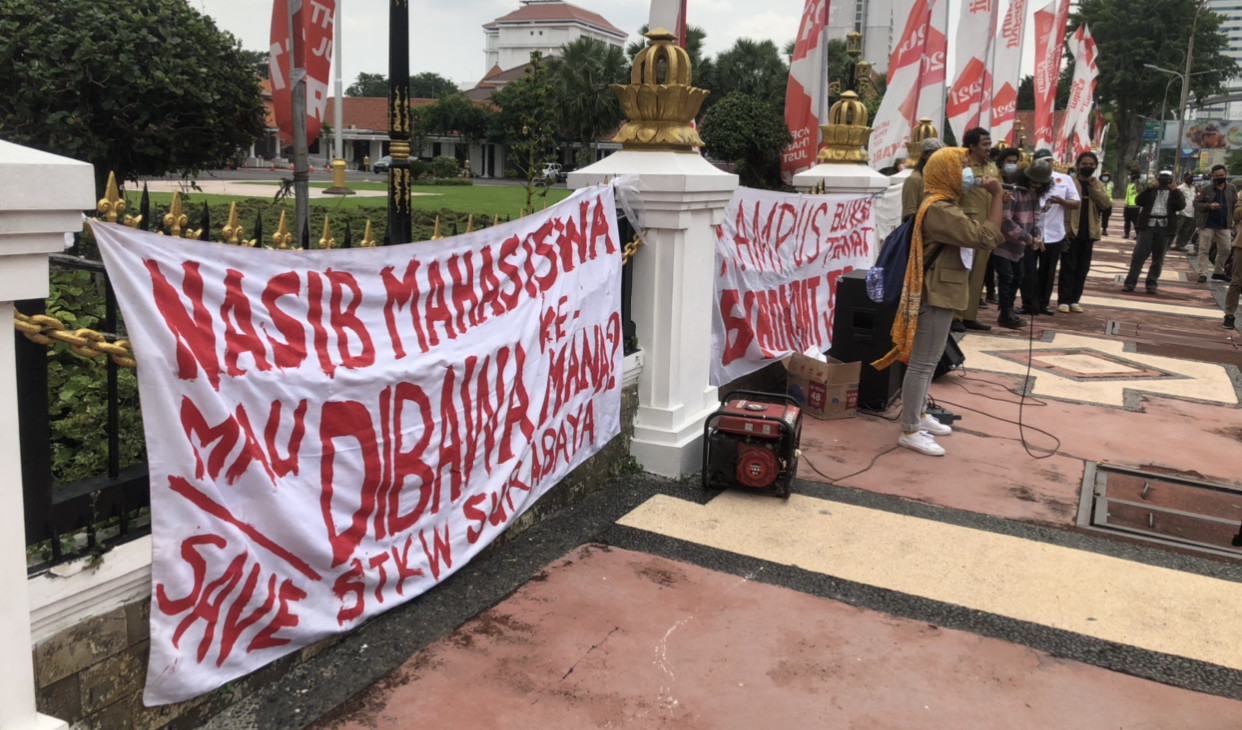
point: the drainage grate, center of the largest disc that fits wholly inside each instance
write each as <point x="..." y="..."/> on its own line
<point x="1160" y="508"/>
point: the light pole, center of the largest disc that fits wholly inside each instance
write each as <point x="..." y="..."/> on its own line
<point x="1177" y="150"/>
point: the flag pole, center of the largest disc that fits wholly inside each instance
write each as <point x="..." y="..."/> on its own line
<point x="338" y="117"/>
<point x="301" y="167"/>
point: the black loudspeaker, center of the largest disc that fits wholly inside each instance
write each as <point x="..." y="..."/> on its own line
<point x="951" y="360"/>
<point x="861" y="331"/>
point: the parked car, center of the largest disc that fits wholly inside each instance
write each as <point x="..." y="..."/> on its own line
<point x="552" y="173"/>
<point x="382" y="164"/>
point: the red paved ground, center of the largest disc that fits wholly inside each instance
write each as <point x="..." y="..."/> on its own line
<point x="611" y="638"/>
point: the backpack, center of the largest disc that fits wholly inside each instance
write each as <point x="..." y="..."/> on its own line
<point x="887" y="277"/>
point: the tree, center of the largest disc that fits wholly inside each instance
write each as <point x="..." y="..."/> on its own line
<point x="1026" y="88"/>
<point x="749" y="132"/>
<point x="369" y="85"/>
<point x="754" y="68"/>
<point x="527" y="121"/>
<point x="427" y="85"/>
<point x="586" y="108"/>
<point x="456" y="113"/>
<point x="139" y="87"/>
<point x="258" y="61"/>
<point x="1131" y="33"/>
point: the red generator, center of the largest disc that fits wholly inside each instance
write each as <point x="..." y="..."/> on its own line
<point x="751" y="442"/>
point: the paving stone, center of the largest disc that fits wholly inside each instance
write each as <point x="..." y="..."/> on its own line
<point x="79" y="647"/>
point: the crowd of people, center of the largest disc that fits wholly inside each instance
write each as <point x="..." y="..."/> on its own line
<point x="1004" y="228"/>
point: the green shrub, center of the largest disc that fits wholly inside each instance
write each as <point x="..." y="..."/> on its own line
<point x="450" y="181"/>
<point x="418" y="168"/>
<point x="445" y="166"/>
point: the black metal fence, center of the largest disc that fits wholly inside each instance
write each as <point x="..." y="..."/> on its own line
<point x="68" y="519"/>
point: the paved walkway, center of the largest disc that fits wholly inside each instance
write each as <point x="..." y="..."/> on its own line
<point x="893" y="590"/>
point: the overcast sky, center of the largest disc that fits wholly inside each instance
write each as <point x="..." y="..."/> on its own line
<point x="446" y="36"/>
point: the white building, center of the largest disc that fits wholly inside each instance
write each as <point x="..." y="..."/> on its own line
<point x="542" y="25"/>
<point x="1231" y="10"/>
<point x="875" y="19"/>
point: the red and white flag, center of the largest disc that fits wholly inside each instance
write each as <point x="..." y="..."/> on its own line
<point x="806" y="96"/>
<point x="1100" y="136"/>
<point x="1075" y="136"/>
<point x="916" y="78"/>
<point x="970" y="99"/>
<point x="311" y="52"/>
<point x="670" y="15"/>
<point x="1050" y="23"/>
<point x="1007" y="71"/>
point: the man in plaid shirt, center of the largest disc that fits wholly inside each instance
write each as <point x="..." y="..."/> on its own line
<point x="1021" y="229"/>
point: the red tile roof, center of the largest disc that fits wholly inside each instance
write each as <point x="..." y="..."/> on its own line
<point x="554" y="12"/>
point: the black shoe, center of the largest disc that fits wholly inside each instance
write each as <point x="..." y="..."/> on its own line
<point x="1026" y="310"/>
<point x="1048" y="311"/>
<point x="1220" y="277"/>
<point x="1151" y="290"/>
<point x="957" y="326"/>
<point x="1229" y="323"/>
<point x="1202" y="279"/>
<point x="990" y="299"/>
<point x="983" y="304"/>
<point x="972" y="324"/>
<point x="1011" y="320"/>
<point x="1127" y="287"/>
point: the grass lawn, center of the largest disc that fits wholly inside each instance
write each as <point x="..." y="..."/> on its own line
<point x="478" y="200"/>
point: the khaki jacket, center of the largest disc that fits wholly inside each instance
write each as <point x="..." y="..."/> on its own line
<point x="946" y="225"/>
<point x="1096" y="198"/>
<point x="911" y="194"/>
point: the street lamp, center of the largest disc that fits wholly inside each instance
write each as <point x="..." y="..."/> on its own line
<point x="1177" y="152"/>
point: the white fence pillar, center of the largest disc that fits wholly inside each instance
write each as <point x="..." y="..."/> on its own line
<point x="683" y="198"/>
<point x="42" y="197"/>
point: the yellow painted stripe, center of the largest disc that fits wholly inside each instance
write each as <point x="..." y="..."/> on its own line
<point x="1094" y="595"/>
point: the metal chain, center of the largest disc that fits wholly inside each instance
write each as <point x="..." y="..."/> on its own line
<point x="630" y="249"/>
<point x="45" y="330"/>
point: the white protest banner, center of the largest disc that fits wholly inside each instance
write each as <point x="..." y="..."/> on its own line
<point x="779" y="257"/>
<point x="332" y="433"/>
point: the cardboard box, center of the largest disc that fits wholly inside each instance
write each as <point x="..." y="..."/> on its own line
<point x="824" y="390"/>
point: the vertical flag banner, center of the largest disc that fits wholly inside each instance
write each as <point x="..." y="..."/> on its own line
<point x="309" y="52"/>
<point x="1075" y="136"/>
<point x="899" y="108"/>
<point x="1007" y="71"/>
<point x="1050" y="24"/>
<point x="332" y="433"/>
<point x="970" y="99"/>
<point x="806" y="96"/>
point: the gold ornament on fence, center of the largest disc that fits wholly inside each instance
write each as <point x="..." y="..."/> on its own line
<point x="659" y="102"/>
<point x="846" y="133"/>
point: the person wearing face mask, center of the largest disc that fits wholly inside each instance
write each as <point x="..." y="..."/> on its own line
<point x="912" y="188"/>
<point x="929" y="297"/>
<point x="1217" y="202"/>
<point x="1157" y="204"/>
<point x="976" y="201"/>
<point x="1186" y="222"/>
<point x="1060" y="201"/>
<point x="1007" y="159"/>
<point x="1084" y="231"/>
<point x="1107" y="210"/>
<point x="1022" y="231"/>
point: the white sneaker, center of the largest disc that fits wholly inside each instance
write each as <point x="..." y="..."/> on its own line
<point x="922" y="442"/>
<point x="929" y="424"/>
<point x="1063" y="308"/>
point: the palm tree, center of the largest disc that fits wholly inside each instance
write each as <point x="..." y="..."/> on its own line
<point x="586" y="108"/>
<point x="754" y="68"/>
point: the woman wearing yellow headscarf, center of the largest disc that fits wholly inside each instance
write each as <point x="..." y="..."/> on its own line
<point x="929" y="297"/>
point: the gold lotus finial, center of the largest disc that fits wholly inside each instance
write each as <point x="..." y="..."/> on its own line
<point x="845" y="134"/>
<point x="914" y="148"/>
<point x="659" y="102"/>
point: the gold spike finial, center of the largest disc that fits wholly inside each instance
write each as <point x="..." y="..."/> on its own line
<point x="368" y="241"/>
<point x="327" y="242"/>
<point x="232" y="229"/>
<point x="282" y="238"/>
<point x="436" y="235"/>
<point x="176" y="220"/>
<point x="111" y="204"/>
<point x="495" y="220"/>
<point x="470" y="223"/>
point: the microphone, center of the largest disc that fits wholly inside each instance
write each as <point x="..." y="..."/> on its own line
<point x="1009" y="186"/>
